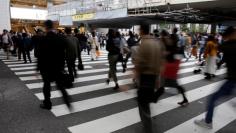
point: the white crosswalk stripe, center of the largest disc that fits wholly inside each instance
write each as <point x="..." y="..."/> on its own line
<point x="91" y="93"/>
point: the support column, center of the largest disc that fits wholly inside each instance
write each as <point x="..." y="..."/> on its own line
<point x="5" y="22"/>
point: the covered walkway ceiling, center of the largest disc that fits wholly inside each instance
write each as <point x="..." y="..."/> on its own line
<point x="219" y="11"/>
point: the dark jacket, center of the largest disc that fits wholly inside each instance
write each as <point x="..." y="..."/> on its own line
<point x="132" y="42"/>
<point x="36" y="41"/>
<point x="111" y="48"/>
<point x="229" y="50"/>
<point x="51" y="55"/>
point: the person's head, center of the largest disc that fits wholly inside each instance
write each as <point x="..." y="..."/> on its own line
<point x="48" y="25"/>
<point x="229" y="33"/>
<point x="175" y="30"/>
<point x="5" y="31"/>
<point x="93" y="34"/>
<point x="76" y="31"/>
<point x="68" y="30"/>
<point x="39" y="32"/>
<point x="117" y="34"/>
<point x="144" y="29"/>
<point x="211" y="38"/>
<point x="24" y="35"/>
<point x="111" y="33"/>
<point x="164" y="33"/>
<point x="131" y="34"/>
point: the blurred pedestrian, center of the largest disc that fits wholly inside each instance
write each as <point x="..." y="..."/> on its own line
<point x="148" y="65"/>
<point x="71" y="52"/>
<point x="171" y="68"/>
<point x="94" y="45"/>
<point x="228" y="88"/>
<point x="113" y="56"/>
<point x="51" y="63"/>
<point x="210" y="55"/>
<point x="27" y="47"/>
<point x="6" y="42"/>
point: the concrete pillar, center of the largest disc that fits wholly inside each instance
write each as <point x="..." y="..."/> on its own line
<point x="5" y="22"/>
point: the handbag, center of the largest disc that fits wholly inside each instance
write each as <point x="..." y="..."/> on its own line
<point x="98" y="53"/>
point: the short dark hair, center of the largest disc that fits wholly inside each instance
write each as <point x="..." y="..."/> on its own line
<point x="48" y="24"/>
<point x="68" y="30"/>
<point x="76" y="30"/>
<point x="145" y="28"/>
<point x="93" y="34"/>
<point x="24" y="35"/>
<point x="175" y="30"/>
<point x="164" y="33"/>
<point x="38" y="31"/>
<point x="211" y="38"/>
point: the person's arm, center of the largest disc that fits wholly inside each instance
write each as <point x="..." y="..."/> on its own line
<point x="79" y="52"/>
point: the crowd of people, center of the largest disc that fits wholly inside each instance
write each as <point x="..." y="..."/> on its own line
<point x="156" y="58"/>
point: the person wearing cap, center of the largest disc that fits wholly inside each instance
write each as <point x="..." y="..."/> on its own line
<point x="227" y="89"/>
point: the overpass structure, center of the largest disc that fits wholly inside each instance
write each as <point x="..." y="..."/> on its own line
<point x="125" y="13"/>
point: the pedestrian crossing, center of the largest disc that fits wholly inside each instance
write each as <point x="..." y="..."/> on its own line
<point x="98" y="108"/>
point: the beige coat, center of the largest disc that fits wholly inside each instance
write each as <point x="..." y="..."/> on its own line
<point x="150" y="56"/>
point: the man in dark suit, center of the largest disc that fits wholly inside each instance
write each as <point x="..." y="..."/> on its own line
<point x="51" y="62"/>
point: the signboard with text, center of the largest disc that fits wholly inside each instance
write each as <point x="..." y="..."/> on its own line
<point x="82" y="17"/>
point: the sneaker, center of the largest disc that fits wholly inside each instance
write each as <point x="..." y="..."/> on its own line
<point x="202" y="123"/>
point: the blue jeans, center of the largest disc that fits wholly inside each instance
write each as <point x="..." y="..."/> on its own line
<point x="226" y="90"/>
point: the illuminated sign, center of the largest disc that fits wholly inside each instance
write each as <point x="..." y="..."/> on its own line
<point x="81" y="17"/>
<point x="26" y="13"/>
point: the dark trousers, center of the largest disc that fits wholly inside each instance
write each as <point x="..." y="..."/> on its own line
<point x="47" y="89"/>
<point x="71" y="68"/>
<point x="146" y="94"/>
<point x="200" y="53"/>
<point x="24" y="53"/>
<point x="226" y="89"/>
<point x="181" y="51"/>
<point x="171" y="83"/>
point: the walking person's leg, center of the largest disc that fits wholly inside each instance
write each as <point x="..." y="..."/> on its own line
<point x="93" y="54"/>
<point x="226" y="89"/>
<point x="182" y="92"/>
<point x="7" y="51"/>
<point x="112" y="69"/>
<point x="145" y="115"/>
<point x="47" y="104"/>
<point x="28" y="55"/>
<point x="19" y="53"/>
<point x="61" y="87"/>
<point x="24" y="55"/>
<point x="70" y="68"/>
